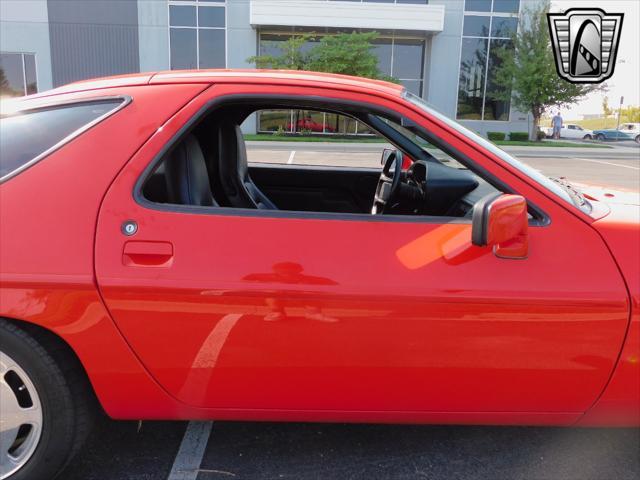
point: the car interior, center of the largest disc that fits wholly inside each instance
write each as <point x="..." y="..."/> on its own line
<point x="208" y="167"/>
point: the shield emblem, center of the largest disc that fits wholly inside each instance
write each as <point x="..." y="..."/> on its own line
<point x="585" y="43"/>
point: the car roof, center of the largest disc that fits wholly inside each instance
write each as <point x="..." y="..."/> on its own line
<point x="291" y="77"/>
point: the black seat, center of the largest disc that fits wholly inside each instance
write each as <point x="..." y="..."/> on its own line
<point x="186" y="175"/>
<point x="240" y="190"/>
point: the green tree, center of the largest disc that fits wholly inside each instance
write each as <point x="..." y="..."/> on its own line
<point x="292" y="55"/>
<point x="630" y="114"/>
<point x="527" y="73"/>
<point x="345" y="53"/>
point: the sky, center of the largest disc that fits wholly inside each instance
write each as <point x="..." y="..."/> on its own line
<point x="626" y="77"/>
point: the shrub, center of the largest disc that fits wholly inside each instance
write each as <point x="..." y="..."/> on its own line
<point x="496" y="136"/>
<point x="541" y="135"/>
<point x="519" y="136"/>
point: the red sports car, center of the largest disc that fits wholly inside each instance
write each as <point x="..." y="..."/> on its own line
<point x="148" y="270"/>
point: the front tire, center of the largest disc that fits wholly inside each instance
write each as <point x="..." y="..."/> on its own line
<point x="47" y="409"/>
<point x="600" y="137"/>
<point x="637" y="138"/>
<point x="587" y="137"/>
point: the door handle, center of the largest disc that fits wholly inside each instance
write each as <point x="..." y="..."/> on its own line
<point x="147" y="254"/>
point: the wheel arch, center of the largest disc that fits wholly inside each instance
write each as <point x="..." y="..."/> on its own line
<point x="61" y="351"/>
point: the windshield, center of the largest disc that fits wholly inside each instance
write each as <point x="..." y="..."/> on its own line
<point x="559" y="189"/>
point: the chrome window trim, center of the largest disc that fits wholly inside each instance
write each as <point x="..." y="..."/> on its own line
<point x="124" y="101"/>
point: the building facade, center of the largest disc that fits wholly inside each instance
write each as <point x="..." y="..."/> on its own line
<point x="442" y="50"/>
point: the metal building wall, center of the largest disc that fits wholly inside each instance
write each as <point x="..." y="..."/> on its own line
<point x="93" y="38"/>
<point x="24" y="28"/>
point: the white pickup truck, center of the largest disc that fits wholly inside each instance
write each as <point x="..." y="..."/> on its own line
<point x="570" y="131"/>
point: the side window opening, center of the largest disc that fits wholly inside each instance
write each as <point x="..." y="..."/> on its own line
<point x="29" y="136"/>
<point x="306" y="170"/>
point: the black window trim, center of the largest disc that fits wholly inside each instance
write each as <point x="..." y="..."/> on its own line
<point x="46" y="105"/>
<point x="539" y="217"/>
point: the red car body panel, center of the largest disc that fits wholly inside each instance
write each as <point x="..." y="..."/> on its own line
<point x="265" y="317"/>
<point x="620" y="402"/>
<point x="47" y="235"/>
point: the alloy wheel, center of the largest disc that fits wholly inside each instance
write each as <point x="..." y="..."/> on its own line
<point x="20" y="417"/>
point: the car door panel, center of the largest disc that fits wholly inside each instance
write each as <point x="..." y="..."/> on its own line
<point x="320" y="314"/>
<point x="294" y="311"/>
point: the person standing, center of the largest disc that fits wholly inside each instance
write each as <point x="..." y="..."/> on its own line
<point x="556" y="122"/>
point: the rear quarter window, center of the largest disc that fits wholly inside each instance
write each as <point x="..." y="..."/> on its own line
<point x="29" y="136"/>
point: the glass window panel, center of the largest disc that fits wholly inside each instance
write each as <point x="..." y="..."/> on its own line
<point x="307" y="121"/>
<point x="380" y="1"/>
<point x="472" y="74"/>
<point x="273" y="120"/>
<point x="506" y="6"/>
<point x="382" y="50"/>
<point x="183" y="49"/>
<point x="346" y="125"/>
<point x="212" y="49"/>
<point x="30" y="73"/>
<point x="11" y="76"/>
<point x="423" y="2"/>
<point x="269" y="44"/>
<point x="24" y="137"/>
<point x="477" y="5"/>
<point x="365" y="130"/>
<point x="495" y="109"/>
<point x="182" y="16"/>
<point x="408" y="59"/>
<point x="211" y="17"/>
<point x="307" y="46"/>
<point x="503" y="26"/>
<point x="331" y="123"/>
<point x="476" y="26"/>
<point x="414" y="86"/>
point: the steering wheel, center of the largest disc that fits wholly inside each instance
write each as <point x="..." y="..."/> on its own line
<point x="388" y="183"/>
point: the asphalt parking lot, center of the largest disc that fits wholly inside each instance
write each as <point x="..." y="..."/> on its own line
<point x="125" y="450"/>
<point x="615" y="167"/>
<point x="243" y="450"/>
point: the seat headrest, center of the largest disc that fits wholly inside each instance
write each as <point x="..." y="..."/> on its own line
<point x="186" y="174"/>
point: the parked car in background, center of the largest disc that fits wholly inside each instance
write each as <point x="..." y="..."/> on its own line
<point x="632" y="129"/>
<point x="614" y="134"/>
<point x="311" y="125"/>
<point x="570" y="131"/>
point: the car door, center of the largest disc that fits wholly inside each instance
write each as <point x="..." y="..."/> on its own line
<point x="569" y="132"/>
<point x="578" y="132"/>
<point x="268" y="311"/>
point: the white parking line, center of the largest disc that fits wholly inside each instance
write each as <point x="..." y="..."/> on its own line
<point x="607" y="163"/>
<point x="293" y="154"/>
<point x="191" y="451"/>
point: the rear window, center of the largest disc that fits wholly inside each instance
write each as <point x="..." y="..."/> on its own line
<point x="29" y="136"/>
